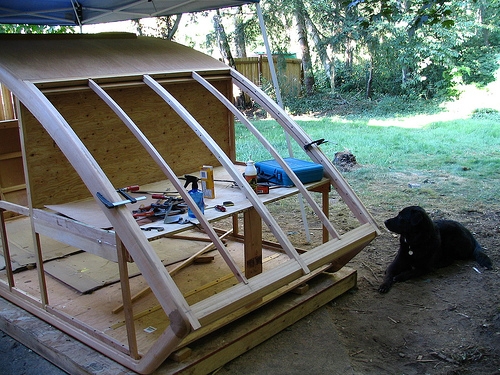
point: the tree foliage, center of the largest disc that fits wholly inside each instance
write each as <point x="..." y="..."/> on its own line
<point x="34" y="29"/>
<point x="421" y="48"/>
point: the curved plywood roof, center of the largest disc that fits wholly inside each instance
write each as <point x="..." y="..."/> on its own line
<point x="68" y="57"/>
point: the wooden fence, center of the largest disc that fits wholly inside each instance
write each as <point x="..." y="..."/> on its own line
<point x="257" y="70"/>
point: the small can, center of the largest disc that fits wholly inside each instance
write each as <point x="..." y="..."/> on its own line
<point x="262" y="189"/>
<point x="207" y="181"/>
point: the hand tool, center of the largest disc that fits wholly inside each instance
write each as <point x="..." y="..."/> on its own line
<point x="159" y="229"/>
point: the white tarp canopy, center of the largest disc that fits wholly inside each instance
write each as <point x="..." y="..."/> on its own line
<point x="87" y="12"/>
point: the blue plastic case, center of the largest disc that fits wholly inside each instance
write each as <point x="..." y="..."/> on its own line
<point x="271" y="171"/>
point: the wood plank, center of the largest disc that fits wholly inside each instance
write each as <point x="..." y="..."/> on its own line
<point x="13" y="207"/>
<point x="127" y="305"/>
<point x="6" y="250"/>
<point x="217" y="306"/>
<point x="54" y="345"/>
<point x="10" y="155"/>
<point x="79" y="235"/>
<point x="52" y="58"/>
<point x="11" y="189"/>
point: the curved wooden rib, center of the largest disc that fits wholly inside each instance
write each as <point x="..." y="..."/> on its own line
<point x="171" y="176"/>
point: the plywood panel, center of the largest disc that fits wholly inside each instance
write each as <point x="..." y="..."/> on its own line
<point x="122" y="158"/>
<point x="63" y="57"/>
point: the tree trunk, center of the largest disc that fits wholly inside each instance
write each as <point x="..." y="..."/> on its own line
<point x="304" y="46"/>
<point x="165" y="27"/>
<point x="138" y="27"/>
<point x="369" y="80"/>
<point x="322" y="52"/>
<point x="239" y="34"/>
<point x="224" y="48"/>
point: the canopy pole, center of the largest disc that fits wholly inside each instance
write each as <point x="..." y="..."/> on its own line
<point x="280" y="103"/>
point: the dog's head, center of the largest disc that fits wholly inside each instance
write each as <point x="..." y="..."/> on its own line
<point x="408" y="220"/>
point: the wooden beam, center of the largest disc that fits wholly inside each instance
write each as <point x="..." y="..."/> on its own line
<point x="12" y="207"/>
<point x="127" y="305"/>
<point x="6" y="250"/>
<point x="239" y="295"/>
<point x="96" y="241"/>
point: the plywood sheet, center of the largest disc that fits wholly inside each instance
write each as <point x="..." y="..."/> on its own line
<point x="87" y="272"/>
<point x="42" y="58"/>
<point x="22" y="250"/>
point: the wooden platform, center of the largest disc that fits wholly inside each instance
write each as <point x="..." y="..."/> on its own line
<point x="207" y="354"/>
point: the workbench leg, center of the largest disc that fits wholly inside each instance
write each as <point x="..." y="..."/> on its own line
<point x="324" y="189"/>
<point x="126" y="296"/>
<point x="236" y="228"/>
<point x="253" y="242"/>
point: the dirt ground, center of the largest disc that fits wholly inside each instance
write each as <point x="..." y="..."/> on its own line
<point x="447" y="322"/>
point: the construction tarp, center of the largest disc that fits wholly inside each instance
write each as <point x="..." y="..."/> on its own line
<point x="88" y="12"/>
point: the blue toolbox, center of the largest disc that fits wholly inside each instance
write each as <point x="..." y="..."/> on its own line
<point x="270" y="171"/>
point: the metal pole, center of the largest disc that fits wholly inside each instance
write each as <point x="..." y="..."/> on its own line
<point x="280" y="103"/>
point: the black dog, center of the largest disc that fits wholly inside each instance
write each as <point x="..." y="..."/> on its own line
<point x="427" y="244"/>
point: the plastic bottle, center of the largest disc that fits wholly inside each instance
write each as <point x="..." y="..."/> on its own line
<point x="251" y="174"/>
<point x="195" y="193"/>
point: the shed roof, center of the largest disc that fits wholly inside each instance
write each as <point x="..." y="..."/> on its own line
<point x="70" y="57"/>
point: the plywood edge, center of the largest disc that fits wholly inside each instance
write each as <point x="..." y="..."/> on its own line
<point x="9" y="124"/>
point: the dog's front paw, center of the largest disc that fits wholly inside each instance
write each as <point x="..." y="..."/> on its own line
<point x="385" y="287"/>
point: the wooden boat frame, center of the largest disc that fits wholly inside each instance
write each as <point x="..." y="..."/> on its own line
<point x="126" y="240"/>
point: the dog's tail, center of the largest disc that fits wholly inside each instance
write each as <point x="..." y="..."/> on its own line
<point x="481" y="257"/>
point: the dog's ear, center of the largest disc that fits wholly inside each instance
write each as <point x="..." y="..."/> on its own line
<point x="415" y="217"/>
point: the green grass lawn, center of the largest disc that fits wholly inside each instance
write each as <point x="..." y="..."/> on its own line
<point x="450" y="157"/>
